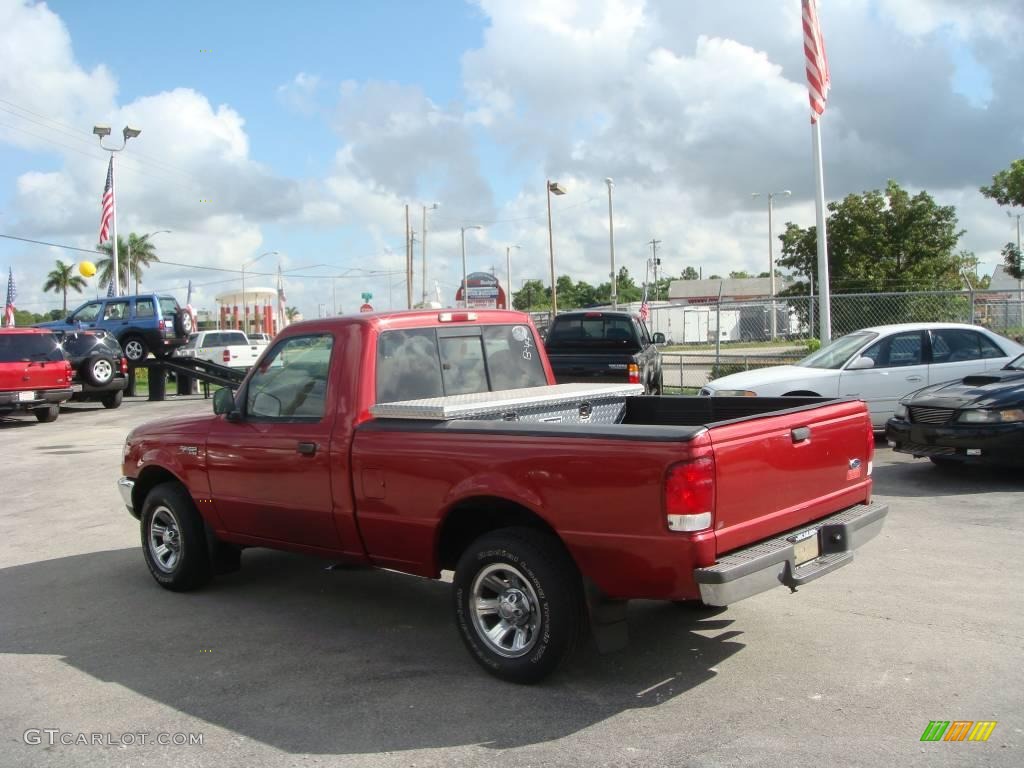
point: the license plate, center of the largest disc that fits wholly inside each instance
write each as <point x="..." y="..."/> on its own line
<point x="26" y="397"/>
<point x="76" y="387"/>
<point x="805" y="547"/>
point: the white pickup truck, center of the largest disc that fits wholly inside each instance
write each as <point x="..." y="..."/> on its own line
<point x="230" y="348"/>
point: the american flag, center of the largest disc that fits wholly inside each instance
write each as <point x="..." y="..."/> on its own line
<point x="645" y="311"/>
<point x="188" y="304"/>
<point x="107" y="204"/>
<point x="282" y="315"/>
<point x="12" y="294"/>
<point x="819" y="80"/>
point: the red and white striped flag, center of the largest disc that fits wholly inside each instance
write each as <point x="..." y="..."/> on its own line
<point x="12" y="294"/>
<point x="107" y="204"/>
<point x="645" y="310"/>
<point x="819" y="80"/>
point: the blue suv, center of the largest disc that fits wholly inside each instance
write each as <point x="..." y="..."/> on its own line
<point x="141" y="324"/>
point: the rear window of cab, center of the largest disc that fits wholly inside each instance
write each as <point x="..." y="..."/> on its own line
<point x="29" y="348"/>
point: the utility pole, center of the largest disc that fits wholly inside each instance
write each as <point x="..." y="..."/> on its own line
<point x="423" y="249"/>
<point x="655" y="261"/>
<point x="508" y="274"/>
<point x="611" y="246"/>
<point x="408" y="260"/>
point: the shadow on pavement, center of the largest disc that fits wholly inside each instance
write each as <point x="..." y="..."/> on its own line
<point x="311" y="660"/>
<point x="922" y="478"/>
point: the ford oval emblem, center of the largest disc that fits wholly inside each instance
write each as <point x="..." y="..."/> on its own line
<point x="854" y="463"/>
<point x="586" y="410"/>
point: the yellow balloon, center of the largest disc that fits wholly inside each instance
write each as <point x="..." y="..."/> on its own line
<point x="87" y="268"/>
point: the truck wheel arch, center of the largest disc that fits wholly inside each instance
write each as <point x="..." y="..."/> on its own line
<point x="149" y="478"/>
<point x="472" y="518"/>
<point x="801" y="393"/>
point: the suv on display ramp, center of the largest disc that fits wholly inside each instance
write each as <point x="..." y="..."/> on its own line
<point x="100" y="369"/>
<point x="141" y="324"/>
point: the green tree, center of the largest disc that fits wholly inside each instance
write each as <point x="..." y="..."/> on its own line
<point x="741" y="274"/>
<point x="134" y="255"/>
<point x="626" y="287"/>
<point x="880" y="241"/>
<point x="1007" y="186"/>
<point x="291" y="313"/>
<point x="533" y="296"/>
<point x="1011" y="258"/>
<point x="566" y="293"/>
<point x="690" y="274"/>
<point x="715" y="277"/>
<point x="62" y="278"/>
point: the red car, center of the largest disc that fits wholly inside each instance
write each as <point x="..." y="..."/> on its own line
<point x="425" y="441"/>
<point x="34" y="375"/>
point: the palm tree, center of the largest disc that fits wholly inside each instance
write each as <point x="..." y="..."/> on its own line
<point x="133" y="256"/>
<point x="291" y="313"/>
<point x="62" y="278"/>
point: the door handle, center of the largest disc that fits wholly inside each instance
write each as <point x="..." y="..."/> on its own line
<point x="306" y="449"/>
<point x="800" y="434"/>
<point x="915" y="378"/>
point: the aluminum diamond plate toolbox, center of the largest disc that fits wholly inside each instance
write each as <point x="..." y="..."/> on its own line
<point x="565" y="403"/>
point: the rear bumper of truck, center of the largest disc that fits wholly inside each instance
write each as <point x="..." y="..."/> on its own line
<point x="773" y="562"/>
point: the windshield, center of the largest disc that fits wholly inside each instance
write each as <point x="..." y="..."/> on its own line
<point x="836" y="354"/>
<point x="1017" y="364"/>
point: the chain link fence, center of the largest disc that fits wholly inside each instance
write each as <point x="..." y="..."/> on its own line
<point x="707" y="341"/>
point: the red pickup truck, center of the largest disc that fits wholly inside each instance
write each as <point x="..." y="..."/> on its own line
<point x="34" y="374"/>
<point x="427" y="441"/>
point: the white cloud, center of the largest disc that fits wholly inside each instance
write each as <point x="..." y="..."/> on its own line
<point x="300" y="93"/>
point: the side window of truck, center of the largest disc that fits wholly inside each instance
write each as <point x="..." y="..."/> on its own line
<point x="291" y="382"/>
<point x="408" y="367"/>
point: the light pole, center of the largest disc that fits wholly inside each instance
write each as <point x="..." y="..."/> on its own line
<point x="102" y="131"/>
<point x="423" y="248"/>
<point x="558" y="189"/>
<point x="131" y="264"/>
<point x="245" y="305"/>
<point x="465" y="285"/>
<point x="771" y="254"/>
<point x="611" y="245"/>
<point x="508" y="273"/>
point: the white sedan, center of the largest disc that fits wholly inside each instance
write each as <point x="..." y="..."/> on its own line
<point x="878" y="365"/>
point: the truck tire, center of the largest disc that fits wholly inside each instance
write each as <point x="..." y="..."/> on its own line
<point x="47" y="413"/>
<point x="98" y="370"/>
<point x="113" y="399"/>
<point x="134" y="348"/>
<point x="174" y="539"/>
<point x="518" y="603"/>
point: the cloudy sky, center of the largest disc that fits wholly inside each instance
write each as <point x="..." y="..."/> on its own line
<point x="305" y="128"/>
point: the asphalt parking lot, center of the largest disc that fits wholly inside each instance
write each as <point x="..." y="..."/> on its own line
<point x="290" y="662"/>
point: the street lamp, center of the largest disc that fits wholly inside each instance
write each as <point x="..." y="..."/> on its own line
<point x="131" y="264"/>
<point x="423" y="248"/>
<point x="611" y="245"/>
<point x="245" y="305"/>
<point x="771" y="253"/>
<point x="558" y="189"/>
<point x="465" y="284"/>
<point x="508" y="273"/>
<point x="102" y="131"/>
<point x="1020" y="286"/>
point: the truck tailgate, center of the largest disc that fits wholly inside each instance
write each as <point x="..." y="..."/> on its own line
<point x="590" y="368"/>
<point x="778" y="472"/>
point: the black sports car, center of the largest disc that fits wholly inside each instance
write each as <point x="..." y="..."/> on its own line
<point x="978" y="420"/>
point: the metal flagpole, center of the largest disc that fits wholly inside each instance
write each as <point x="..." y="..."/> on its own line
<point x="824" y="300"/>
<point x="113" y="221"/>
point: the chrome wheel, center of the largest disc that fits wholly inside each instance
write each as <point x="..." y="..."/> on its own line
<point x="134" y="350"/>
<point x="102" y="371"/>
<point x="504" y="610"/>
<point x="164" y="539"/>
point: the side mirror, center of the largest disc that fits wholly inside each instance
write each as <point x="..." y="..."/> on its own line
<point x="658" y="338"/>
<point x="224" y="404"/>
<point x="862" y="363"/>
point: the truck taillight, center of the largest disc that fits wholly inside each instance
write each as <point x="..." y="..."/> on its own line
<point x="69" y="372"/>
<point x="870" y="455"/>
<point x="124" y="365"/>
<point x="690" y="494"/>
<point x="634" y="373"/>
<point x="226" y="356"/>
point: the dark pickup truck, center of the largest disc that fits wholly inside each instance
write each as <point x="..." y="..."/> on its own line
<point x="604" y="347"/>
